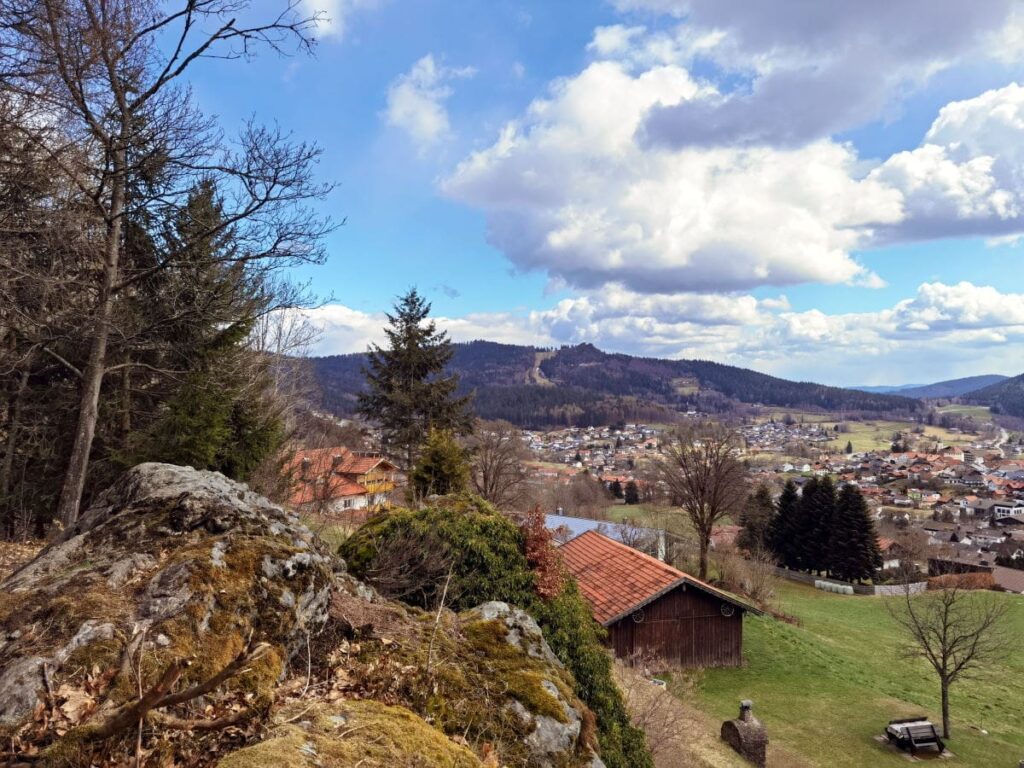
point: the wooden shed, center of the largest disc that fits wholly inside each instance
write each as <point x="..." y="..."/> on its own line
<point x="652" y="609"/>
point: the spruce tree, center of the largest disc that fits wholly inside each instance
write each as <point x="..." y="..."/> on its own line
<point x="819" y="512"/>
<point x="442" y="467"/>
<point x="855" y="552"/>
<point x="756" y="518"/>
<point x="783" y="530"/>
<point x="408" y="392"/>
<point x="849" y="446"/>
<point x="214" y="413"/>
<point x="802" y="550"/>
<point x="632" y="493"/>
<point x="616" y="489"/>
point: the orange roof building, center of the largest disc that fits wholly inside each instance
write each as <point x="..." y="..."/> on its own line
<point x="331" y="480"/>
<point x="652" y="609"/>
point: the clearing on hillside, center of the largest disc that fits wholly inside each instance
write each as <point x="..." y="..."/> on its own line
<point x="825" y="689"/>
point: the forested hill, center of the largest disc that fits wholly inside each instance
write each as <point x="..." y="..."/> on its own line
<point x="951" y="388"/>
<point x="582" y="385"/>
<point x="1005" y="397"/>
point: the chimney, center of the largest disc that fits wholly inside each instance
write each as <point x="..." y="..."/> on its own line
<point x="746" y="710"/>
<point x="306" y="464"/>
<point x="335" y="461"/>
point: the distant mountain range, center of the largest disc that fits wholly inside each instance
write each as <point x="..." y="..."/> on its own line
<point x="583" y="386"/>
<point x="950" y="388"/>
<point x="1005" y="396"/>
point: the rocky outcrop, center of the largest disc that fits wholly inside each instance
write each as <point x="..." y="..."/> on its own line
<point x="179" y="581"/>
<point x="169" y="563"/>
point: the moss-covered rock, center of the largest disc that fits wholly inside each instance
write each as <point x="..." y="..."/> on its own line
<point x="169" y="564"/>
<point x="349" y="734"/>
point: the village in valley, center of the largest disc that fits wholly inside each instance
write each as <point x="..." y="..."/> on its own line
<point x="474" y="384"/>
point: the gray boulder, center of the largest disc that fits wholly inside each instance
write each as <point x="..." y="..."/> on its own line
<point x="169" y="563"/>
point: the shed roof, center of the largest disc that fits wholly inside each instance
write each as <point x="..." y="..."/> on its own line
<point x="617" y="579"/>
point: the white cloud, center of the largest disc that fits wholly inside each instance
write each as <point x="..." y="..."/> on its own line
<point x="968" y="175"/>
<point x="334" y="14"/>
<point x="977" y="327"/>
<point x="810" y="70"/>
<point x="416" y="100"/>
<point x="568" y="189"/>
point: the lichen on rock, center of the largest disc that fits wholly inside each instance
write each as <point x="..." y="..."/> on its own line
<point x="348" y="734"/>
<point x="178" y="569"/>
<point x="169" y="563"/>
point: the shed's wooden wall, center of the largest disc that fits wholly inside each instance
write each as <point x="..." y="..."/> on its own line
<point x="684" y="626"/>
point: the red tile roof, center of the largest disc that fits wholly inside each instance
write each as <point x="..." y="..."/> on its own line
<point x="349" y="462"/>
<point x="325" y="474"/>
<point x="617" y="579"/>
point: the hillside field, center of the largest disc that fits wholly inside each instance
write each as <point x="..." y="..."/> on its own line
<point x="980" y="413"/>
<point x="826" y="688"/>
<point x="877" y="435"/>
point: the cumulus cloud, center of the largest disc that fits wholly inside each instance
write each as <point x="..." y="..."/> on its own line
<point x="416" y="100"/>
<point x="568" y="189"/>
<point x="809" y="70"/>
<point x="967" y="177"/>
<point x="914" y="338"/>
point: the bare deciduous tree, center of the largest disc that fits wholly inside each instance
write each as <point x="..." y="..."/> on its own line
<point x="497" y="471"/>
<point x="955" y="630"/>
<point x="704" y="476"/>
<point x="92" y="89"/>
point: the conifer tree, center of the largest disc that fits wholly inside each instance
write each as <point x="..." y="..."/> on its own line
<point x="442" y="467"/>
<point x="408" y="393"/>
<point x="214" y="413"/>
<point x="849" y="446"/>
<point x="854" y="547"/>
<point x="632" y="493"/>
<point x="818" y="512"/>
<point x="616" y="489"/>
<point x="783" y="532"/>
<point x="756" y="518"/>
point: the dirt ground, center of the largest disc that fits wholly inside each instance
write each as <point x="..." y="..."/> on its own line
<point x="13" y="555"/>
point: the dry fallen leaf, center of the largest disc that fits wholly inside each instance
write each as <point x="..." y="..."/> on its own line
<point x="77" y="704"/>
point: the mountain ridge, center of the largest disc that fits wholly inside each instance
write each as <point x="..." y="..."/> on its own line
<point x="946" y="388"/>
<point x="582" y="385"/>
<point x="1005" y="397"/>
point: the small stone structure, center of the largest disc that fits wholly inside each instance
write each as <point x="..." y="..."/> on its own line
<point x="747" y="735"/>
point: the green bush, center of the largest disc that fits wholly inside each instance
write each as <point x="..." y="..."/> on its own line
<point x="484" y="553"/>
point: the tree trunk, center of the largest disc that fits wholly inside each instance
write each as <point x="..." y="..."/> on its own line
<point x="945" y="709"/>
<point x="702" y="573"/>
<point x="92" y="376"/>
<point x="7" y="468"/>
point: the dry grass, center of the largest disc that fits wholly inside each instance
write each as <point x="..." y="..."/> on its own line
<point x="15" y="554"/>
<point x="678" y="733"/>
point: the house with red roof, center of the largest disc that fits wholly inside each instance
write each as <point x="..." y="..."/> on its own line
<point x="650" y="608"/>
<point x="335" y="480"/>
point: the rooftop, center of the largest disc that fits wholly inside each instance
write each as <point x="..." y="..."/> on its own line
<point x="617" y="579"/>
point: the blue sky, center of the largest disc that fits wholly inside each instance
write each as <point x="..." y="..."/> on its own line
<point x="828" y="194"/>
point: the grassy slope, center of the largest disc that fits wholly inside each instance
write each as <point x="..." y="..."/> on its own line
<point x="877" y="435"/>
<point x="825" y="689"/>
<point x="980" y="413"/>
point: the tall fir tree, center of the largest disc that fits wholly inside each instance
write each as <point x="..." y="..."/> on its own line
<point x="802" y="545"/>
<point x="855" y="554"/>
<point x="408" y="392"/>
<point x="783" y="531"/>
<point x="818" y="512"/>
<point x="216" y="412"/>
<point x="756" y="519"/>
